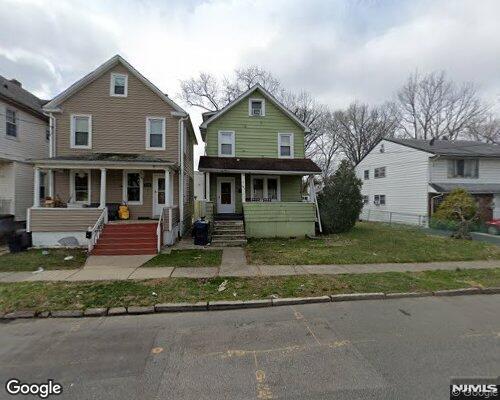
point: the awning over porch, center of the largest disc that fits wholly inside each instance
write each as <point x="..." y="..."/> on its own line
<point x="290" y="166"/>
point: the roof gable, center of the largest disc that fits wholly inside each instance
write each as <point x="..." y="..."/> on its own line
<point x="12" y="92"/>
<point x="53" y="105"/>
<point x="244" y="96"/>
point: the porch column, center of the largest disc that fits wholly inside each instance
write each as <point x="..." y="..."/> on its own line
<point x="50" y="182"/>
<point x="168" y="195"/>
<point x="243" y="188"/>
<point x="36" y="191"/>
<point x="102" y="199"/>
<point x="207" y="186"/>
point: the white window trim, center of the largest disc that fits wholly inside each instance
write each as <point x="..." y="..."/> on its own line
<point x="112" y="85"/>
<point x="73" y="126"/>
<point x="379" y="177"/>
<point x="233" y="144"/>
<point x="124" y="187"/>
<point x="292" y="150"/>
<point x="262" y="101"/>
<point x="72" y="191"/>
<point x="164" y="129"/>
<point x="265" y="178"/>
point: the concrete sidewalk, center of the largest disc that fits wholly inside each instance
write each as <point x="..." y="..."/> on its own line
<point x="232" y="266"/>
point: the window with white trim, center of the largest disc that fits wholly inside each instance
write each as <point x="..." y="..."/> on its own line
<point x="81" y="131"/>
<point x="285" y="145"/>
<point x="379" y="199"/>
<point x="132" y="187"/>
<point x="226" y="143"/>
<point x="80" y="187"/>
<point x="256" y="107"/>
<point x="265" y="188"/>
<point x="155" y="133"/>
<point x="11" y="123"/>
<point x="119" y="85"/>
<point x="379" y="172"/>
<point x="366" y="199"/>
<point x="367" y="174"/>
<point x="463" y="168"/>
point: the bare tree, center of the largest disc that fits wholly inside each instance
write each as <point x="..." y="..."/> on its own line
<point x="487" y="131"/>
<point x="361" y="127"/>
<point x="203" y="92"/>
<point x="432" y="106"/>
<point x="325" y="149"/>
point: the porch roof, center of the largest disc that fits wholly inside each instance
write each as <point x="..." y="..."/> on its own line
<point x="297" y="166"/>
<point x="101" y="160"/>
<point x="474" y="188"/>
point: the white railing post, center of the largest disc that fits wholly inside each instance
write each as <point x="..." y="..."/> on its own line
<point x="36" y="189"/>
<point x="170" y="219"/>
<point x="102" y="198"/>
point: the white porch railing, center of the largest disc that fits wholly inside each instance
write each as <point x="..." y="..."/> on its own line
<point x="159" y="229"/>
<point x="96" y="230"/>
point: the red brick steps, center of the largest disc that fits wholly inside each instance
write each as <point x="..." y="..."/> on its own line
<point x="126" y="239"/>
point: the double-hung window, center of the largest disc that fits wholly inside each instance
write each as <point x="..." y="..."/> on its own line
<point x="256" y="107"/>
<point x="132" y="187"/>
<point x="155" y="133"/>
<point x="367" y="174"/>
<point x="226" y="144"/>
<point x="366" y="199"/>
<point x="265" y="188"/>
<point x="379" y="199"/>
<point x="463" y="168"/>
<point x="119" y="85"/>
<point x="11" y="123"/>
<point x="80" y="187"/>
<point x="285" y="145"/>
<point x="379" y="172"/>
<point x="81" y="131"/>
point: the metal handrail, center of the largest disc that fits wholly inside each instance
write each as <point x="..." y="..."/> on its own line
<point x="95" y="231"/>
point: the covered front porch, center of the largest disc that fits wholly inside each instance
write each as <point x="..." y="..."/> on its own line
<point x="81" y="197"/>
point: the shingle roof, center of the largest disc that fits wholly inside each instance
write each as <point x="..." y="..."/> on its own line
<point x="461" y="148"/>
<point x="258" y="164"/>
<point x="110" y="157"/>
<point x="11" y="91"/>
<point x="476" y="188"/>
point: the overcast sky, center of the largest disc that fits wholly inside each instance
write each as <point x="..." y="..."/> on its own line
<point x="337" y="50"/>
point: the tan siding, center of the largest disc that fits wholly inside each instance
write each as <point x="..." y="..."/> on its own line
<point x="118" y="123"/>
<point x="63" y="220"/>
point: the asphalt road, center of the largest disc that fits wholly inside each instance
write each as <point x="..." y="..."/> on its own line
<point x="390" y="349"/>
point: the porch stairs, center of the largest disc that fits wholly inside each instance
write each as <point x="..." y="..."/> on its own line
<point x="126" y="239"/>
<point x="228" y="233"/>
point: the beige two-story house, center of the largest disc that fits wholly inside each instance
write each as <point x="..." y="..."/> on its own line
<point x="115" y="139"/>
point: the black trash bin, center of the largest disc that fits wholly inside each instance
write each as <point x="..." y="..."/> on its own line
<point x="19" y="241"/>
<point x="200" y="232"/>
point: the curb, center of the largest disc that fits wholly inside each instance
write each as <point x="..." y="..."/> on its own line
<point x="238" y="304"/>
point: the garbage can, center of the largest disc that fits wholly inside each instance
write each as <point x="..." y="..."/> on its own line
<point x="19" y="241"/>
<point x="200" y="232"/>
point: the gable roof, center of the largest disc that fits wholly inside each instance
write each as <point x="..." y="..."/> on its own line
<point x="462" y="148"/>
<point x="239" y="99"/>
<point x="92" y="76"/>
<point x="13" y="92"/>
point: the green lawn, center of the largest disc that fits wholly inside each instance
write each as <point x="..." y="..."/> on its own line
<point x="30" y="260"/>
<point x="368" y="243"/>
<point x="78" y="295"/>
<point x="187" y="258"/>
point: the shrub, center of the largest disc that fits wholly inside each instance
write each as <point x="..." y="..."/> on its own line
<point x="340" y="202"/>
<point x="458" y="211"/>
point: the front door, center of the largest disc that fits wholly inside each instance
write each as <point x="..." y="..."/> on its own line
<point x="225" y="196"/>
<point x="159" y="194"/>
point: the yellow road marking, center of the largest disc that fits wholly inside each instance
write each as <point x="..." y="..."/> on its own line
<point x="263" y="390"/>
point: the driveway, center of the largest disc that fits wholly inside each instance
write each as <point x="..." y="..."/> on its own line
<point x="392" y="349"/>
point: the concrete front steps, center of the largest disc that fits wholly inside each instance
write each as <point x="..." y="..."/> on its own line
<point x="228" y="233"/>
<point x="126" y="239"/>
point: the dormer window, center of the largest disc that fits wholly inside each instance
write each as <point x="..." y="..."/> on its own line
<point x="257" y="108"/>
<point x="119" y="85"/>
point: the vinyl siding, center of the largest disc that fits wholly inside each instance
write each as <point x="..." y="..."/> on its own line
<point x="489" y="172"/>
<point x="405" y="185"/>
<point x="63" y="220"/>
<point x="7" y="187"/>
<point x="255" y="136"/>
<point x="23" y="189"/>
<point x="118" y="123"/>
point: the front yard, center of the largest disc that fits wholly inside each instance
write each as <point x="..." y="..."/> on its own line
<point x="31" y="260"/>
<point x="368" y="243"/>
<point x="42" y="296"/>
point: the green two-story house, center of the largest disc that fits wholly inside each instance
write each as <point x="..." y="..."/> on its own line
<point x="255" y="167"/>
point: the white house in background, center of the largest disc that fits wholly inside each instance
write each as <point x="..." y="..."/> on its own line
<point x="404" y="180"/>
<point x="24" y="131"/>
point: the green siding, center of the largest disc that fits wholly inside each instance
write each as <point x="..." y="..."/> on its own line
<point x="255" y="136"/>
<point x="291" y="188"/>
<point x="279" y="219"/>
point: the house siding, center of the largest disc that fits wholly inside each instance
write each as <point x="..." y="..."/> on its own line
<point x="489" y="171"/>
<point x="118" y="123"/>
<point x="63" y="220"/>
<point x="255" y="136"/>
<point x="405" y="185"/>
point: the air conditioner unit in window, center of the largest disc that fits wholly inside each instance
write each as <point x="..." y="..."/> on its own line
<point x="256" y="111"/>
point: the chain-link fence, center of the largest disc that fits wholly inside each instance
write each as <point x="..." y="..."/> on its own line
<point x="392" y="217"/>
